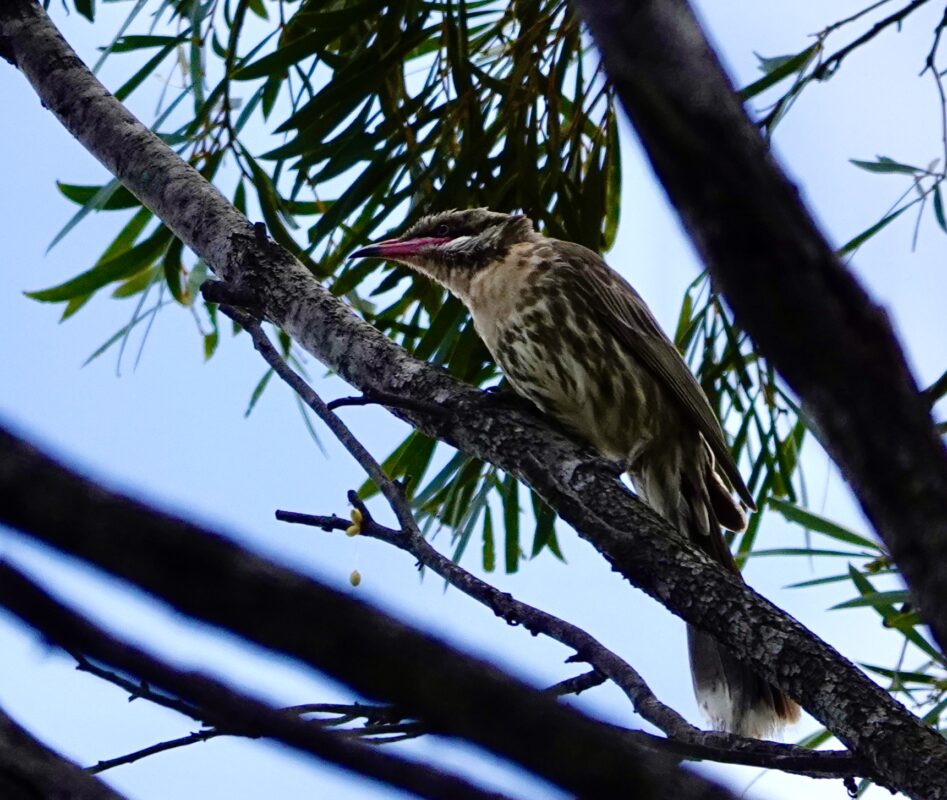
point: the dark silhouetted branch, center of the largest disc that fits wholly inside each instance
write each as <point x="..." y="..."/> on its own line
<point x="29" y="769"/>
<point x="226" y="709"/>
<point x="205" y="575"/>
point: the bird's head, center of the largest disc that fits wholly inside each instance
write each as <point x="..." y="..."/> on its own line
<point x="453" y="245"/>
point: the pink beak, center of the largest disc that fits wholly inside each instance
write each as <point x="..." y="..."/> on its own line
<point x="396" y="248"/>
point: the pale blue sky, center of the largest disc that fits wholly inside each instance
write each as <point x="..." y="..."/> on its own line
<point x="173" y="432"/>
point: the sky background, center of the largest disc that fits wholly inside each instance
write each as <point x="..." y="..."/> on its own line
<point x="173" y="432"/>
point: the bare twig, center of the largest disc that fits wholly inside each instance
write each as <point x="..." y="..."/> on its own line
<point x="390" y="489"/>
<point x="833" y="61"/>
<point x="930" y="64"/>
<point x="160" y="747"/>
<point x="138" y="689"/>
<point x="388" y="400"/>
<point x="854" y="17"/>
<point x="514" y="612"/>
<point x="578" y="684"/>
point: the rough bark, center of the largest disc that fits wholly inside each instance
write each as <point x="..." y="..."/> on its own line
<point x="775" y="268"/>
<point x="584" y="491"/>
<point x="29" y="770"/>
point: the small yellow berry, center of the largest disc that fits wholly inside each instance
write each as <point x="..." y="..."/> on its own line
<point x="356" y="527"/>
<point x="355" y="578"/>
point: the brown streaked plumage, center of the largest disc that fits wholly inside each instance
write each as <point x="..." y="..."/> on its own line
<point x="575" y="338"/>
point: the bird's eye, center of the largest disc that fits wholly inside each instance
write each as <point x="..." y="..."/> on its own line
<point x="443" y="230"/>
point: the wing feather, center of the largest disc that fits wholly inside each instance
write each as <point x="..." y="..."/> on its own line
<point x="632" y="323"/>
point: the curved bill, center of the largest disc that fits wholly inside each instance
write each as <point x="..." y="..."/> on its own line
<point x="396" y="248"/>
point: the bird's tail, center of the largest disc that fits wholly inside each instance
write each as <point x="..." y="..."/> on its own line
<point x="733" y="697"/>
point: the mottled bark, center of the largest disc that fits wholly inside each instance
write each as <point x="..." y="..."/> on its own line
<point x="905" y="753"/>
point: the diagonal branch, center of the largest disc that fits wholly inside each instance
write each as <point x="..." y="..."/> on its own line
<point x="584" y="490"/>
<point x="451" y="693"/>
<point x="683" y="740"/>
<point x="225" y="708"/>
<point x="28" y="769"/>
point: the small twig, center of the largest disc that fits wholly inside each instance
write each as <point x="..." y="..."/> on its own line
<point x="231" y="710"/>
<point x="578" y="684"/>
<point x="160" y="747"/>
<point x="854" y="17"/>
<point x="936" y="390"/>
<point x="138" y="689"/>
<point x="389" y="401"/>
<point x="390" y="489"/>
<point x="833" y="61"/>
<point x="515" y="612"/>
<point x="930" y="63"/>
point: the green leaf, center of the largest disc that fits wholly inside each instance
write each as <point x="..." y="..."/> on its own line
<point x="86" y="8"/>
<point x="865" y="235"/>
<point x="939" y="208"/>
<point x="135" y="284"/>
<point x="891" y="616"/>
<point x="509" y="493"/>
<point x="813" y="522"/>
<point x="173" y="270"/>
<point x="806" y="551"/>
<point x="123" y="92"/>
<point x="903" y="676"/>
<point x="125" y="44"/>
<point x="875" y="599"/>
<point x="113" y="269"/>
<point x="119" y="197"/>
<point x="489" y="546"/>
<point x="777" y="69"/>
<point x="95" y="203"/>
<point x="545" y="534"/>
<point x="122" y="332"/>
<point x="887" y="165"/>
<point x="257" y="392"/>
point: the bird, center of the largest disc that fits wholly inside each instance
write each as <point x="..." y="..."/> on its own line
<point x="572" y="336"/>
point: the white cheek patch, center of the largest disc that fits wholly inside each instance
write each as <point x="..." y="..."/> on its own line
<point x="459" y="243"/>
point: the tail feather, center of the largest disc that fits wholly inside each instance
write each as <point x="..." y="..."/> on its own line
<point x="695" y="499"/>
<point x="733" y="697"/>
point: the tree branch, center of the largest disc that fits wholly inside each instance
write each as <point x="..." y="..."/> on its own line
<point x="204" y="575"/>
<point x="28" y="769"/>
<point x="775" y="267"/>
<point x="582" y="488"/>
<point x="226" y="709"/>
<point x="514" y="612"/>
<point x="683" y="740"/>
<point x="832" y="63"/>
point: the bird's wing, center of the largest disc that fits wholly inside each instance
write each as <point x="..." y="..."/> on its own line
<point x="633" y="324"/>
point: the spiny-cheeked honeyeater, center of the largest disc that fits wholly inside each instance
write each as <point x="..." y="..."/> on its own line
<point x="576" y="339"/>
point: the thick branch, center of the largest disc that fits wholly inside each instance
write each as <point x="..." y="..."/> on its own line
<point x="206" y="576"/>
<point x="30" y="770"/>
<point x="225" y="709"/>
<point x="581" y="488"/>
